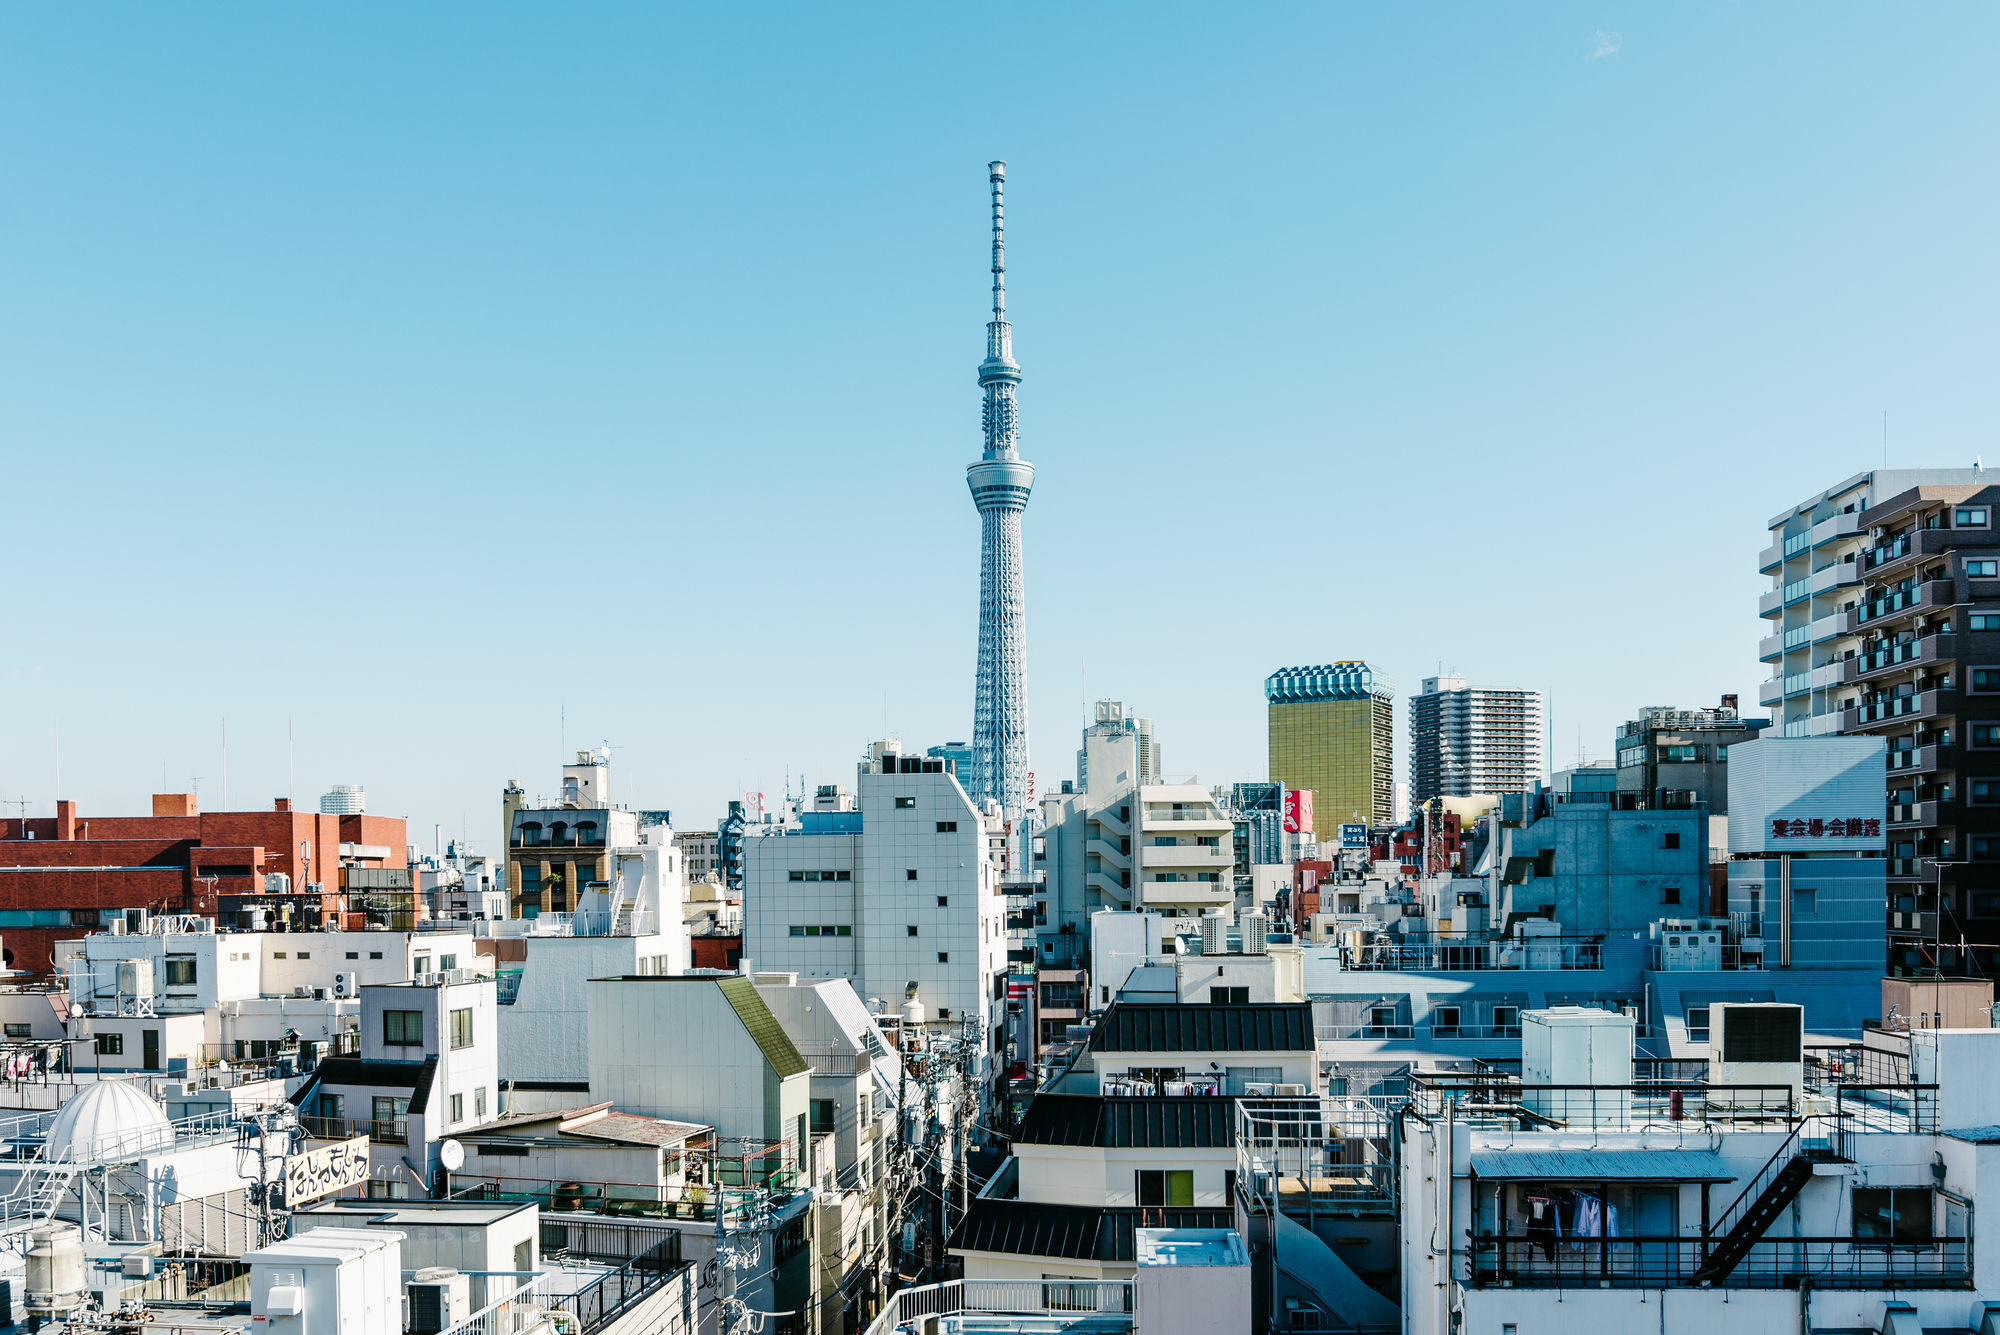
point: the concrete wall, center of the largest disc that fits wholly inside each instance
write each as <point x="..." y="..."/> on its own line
<point x="1086" y="1175"/>
<point x="544" y="1033"/>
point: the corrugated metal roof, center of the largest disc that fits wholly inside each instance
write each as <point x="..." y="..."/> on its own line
<point x="1205" y="1122"/>
<point x="1603" y="1165"/>
<point x="1072" y="1232"/>
<point x="1255" y="1027"/>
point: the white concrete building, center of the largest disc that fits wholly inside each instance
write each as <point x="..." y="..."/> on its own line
<point x="901" y="890"/>
<point x="1474" y="740"/>
<point x="1784" y="1193"/>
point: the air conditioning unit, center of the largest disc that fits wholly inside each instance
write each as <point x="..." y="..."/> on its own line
<point x="303" y="993"/>
<point x="347" y="984"/>
<point x="1293" y="1091"/>
<point x="440" y="1298"/>
<point x="1756" y="1043"/>
<point x="319" y="994"/>
<point x="116" y="927"/>
<point x="1259" y="1090"/>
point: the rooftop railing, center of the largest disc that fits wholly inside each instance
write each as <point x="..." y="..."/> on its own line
<point x="1773" y="1263"/>
<point x="1102" y="1304"/>
<point x="1844" y="1108"/>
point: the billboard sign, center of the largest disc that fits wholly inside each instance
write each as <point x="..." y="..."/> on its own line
<point x="323" y="1171"/>
<point x="1354" y="836"/>
<point x="1298" y="811"/>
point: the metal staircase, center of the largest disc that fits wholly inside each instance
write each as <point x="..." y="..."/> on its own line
<point x="1753" y="1212"/>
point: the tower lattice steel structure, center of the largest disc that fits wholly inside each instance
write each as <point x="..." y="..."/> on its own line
<point x="1000" y="483"/>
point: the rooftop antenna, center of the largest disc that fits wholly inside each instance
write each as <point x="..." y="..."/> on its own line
<point x="59" y="760"/>
<point x="291" y="765"/>
<point x="225" y="762"/>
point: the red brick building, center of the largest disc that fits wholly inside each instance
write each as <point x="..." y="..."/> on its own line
<point x="64" y="878"/>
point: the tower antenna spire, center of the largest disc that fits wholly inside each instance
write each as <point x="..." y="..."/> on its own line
<point x="1000" y="484"/>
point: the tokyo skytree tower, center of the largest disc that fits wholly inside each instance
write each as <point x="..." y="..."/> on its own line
<point x="1000" y="483"/>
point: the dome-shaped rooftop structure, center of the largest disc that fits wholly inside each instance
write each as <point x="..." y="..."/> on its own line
<point x="111" y="1118"/>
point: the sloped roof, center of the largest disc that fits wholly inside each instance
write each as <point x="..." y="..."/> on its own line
<point x="1169" y="1027"/>
<point x="777" y="1046"/>
<point x="1070" y="1232"/>
<point x="1203" y="1122"/>
<point x="413" y="1076"/>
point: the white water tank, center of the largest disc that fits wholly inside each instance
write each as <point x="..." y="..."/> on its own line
<point x="55" y="1268"/>
<point x="913" y="1009"/>
<point x="1576" y="1064"/>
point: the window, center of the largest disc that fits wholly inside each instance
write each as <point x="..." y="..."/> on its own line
<point x="1985" y="848"/>
<point x="458" y="1108"/>
<point x="1671" y="839"/>
<point x="1983" y="621"/>
<point x="277" y="954"/>
<point x="1670" y="894"/>
<point x="305" y="954"/>
<point x="906" y="803"/>
<point x="1982" y="569"/>
<point x="354" y="954"/>
<point x="110" y="1045"/>
<point x="1969" y="518"/>
<point x="422" y="964"/>
<point x="1167" y="1189"/>
<point x="1444" y="1022"/>
<point x="944" y="901"/>
<point x="1986" y="679"/>
<point x="180" y="973"/>
<point x="798" y="930"/>
<point x="1228" y="996"/>
<point x="1206" y="841"/>
<point x="912" y="929"/>
<point x="1507" y="1018"/>
<point x="947" y="827"/>
<point x="1679" y="754"/>
<point x="822" y="1116"/>
<point x="403" y="1029"/>
<point x="909" y="873"/>
<point x="1805" y="903"/>
<point x="20" y="1031"/>
<point x="446" y="963"/>
<point x="479" y="1102"/>
<point x="1892" y="1214"/>
<point x="461" y="1028"/>
<point x="1985" y="792"/>
<point x="944" y="957"/>
<point x="374" y="954"/>
<point x="1697" y="1024"/>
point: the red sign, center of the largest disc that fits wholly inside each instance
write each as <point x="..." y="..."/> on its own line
<point x="1842" y="827"/>
<point x="1298" y="811"/>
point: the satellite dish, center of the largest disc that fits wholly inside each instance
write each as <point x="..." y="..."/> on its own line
<point x="452" y="1155"/>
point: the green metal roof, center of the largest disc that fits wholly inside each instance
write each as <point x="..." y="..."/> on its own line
<point x="763" y="1026"/>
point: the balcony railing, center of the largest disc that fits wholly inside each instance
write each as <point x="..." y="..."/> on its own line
<point x="1104" y="1304"/>
<point x="380" y="1130"/>
<point x="1773" y="1263"/>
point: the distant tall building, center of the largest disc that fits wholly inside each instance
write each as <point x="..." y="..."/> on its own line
<point x="345" y="799"/>
<point x="1467" y="741"/>
<point x="1000" y="483"/>
<point x="960" y="756"/>
<point x="1114" y="723"/>
<point x="1332" y="732"/>
<point x="1674" y="757"/>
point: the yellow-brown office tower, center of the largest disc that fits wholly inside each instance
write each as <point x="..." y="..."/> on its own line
<point x="1331" y="732"/>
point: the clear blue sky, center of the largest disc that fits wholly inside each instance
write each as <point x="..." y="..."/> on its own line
<point x="417" y="374"/>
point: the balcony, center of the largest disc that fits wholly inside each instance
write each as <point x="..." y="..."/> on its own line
<point x="1922" y="870"/>
<point x="1923" y="759"/>
<point x="1931" y="594"/>
<point x="1772" y="1263"/>
<point x="1907" y="655"/>
<point x="1918" y="705"/>
<point x="1836" y="576"/>
<point x="1185" y="857"/>
<point x="379" y="1130"/>
<point x="1916" y="545"/>
<point x="1771" y="647"/>
<point x="1839" y="526"/>
<point x="1202" y="816"/>
<point x="1198" y="894"/>
<point x="1770" y="602"/>
<point x="1771" y="691"/>
<point x="1927" y="814"/>
<point x="1770" y="558"/>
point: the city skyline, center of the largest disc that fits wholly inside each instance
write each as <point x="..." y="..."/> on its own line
<point x="511" y="450"/>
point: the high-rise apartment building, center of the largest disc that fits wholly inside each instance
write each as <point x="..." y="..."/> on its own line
<point x="1331" y="733"/>
<point x="1883" y="612"/>
<point x="1467" y="741"/>
<point x="1111" y="725"/>
<point x="344" y="799"/>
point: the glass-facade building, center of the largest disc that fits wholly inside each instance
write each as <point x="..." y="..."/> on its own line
<point x="1331" y="732"/>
